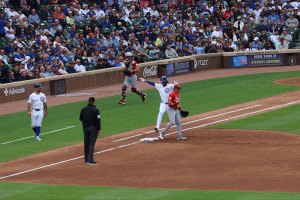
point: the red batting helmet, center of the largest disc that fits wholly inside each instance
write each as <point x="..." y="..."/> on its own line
<point x="177" y="86"/>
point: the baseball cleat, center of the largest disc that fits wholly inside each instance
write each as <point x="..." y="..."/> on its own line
<point x="182" y="138"/>
<point x="38" y="138"/>
<point x="143" y="96"/>
<point x="161" y="135"/>
<point x="122" y="102"/>
<point x="156" y="130"/>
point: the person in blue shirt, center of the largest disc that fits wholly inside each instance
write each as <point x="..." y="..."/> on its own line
<point x="2" y="24"/>
<point x="273" y="16"/>
<point x="198" y="49"/>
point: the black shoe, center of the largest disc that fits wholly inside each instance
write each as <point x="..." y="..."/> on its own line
<point x="143" y="97"/>
<point x="156" y="130"/>
<point x="93" y="163"/>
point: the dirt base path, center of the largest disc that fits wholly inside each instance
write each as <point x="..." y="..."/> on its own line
<point x="208" y="160"/>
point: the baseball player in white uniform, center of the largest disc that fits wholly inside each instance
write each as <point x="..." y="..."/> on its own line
<point x="164" y="89"/>
<point x="37" y="109"/>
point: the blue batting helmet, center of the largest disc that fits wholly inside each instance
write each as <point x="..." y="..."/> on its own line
<point x="163" y="79"/>
<point x="37" y="85"/>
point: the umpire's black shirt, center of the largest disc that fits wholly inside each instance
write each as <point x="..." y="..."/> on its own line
<point x="90" y="116"/>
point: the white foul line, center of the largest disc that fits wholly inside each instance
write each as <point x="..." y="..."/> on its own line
<point x="197" y="120"/>
<point x="238" y="116"/>
<point x="67" y="127"/>
<point x="64" y="161"/>
<point x="122" y="146"/>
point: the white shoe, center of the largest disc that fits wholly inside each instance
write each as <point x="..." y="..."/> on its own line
<point x="38" y="138"/>
<point x="182" y="138"/>
<point x="161" y="135"/>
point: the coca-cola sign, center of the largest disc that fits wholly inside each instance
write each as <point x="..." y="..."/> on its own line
<point x="150" y="71"/>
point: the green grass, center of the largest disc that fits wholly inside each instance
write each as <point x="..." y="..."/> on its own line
<point x="197" y="97"/>
<point x="20" y="191"/>
<point x="284" y="120"/>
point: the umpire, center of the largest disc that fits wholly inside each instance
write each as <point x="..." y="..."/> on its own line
<point x="91" y="123"/>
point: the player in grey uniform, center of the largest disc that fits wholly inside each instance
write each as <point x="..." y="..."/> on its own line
<point x="131" y="67"/>
<point x="37" y="109"/>
<point x="164" y="89"/>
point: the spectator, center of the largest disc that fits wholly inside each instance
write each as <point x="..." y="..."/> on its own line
<point x="199" y="49"/>
<point x="287" y="37"/>
<point x="292" y="22"/>
<point x="34" y="17"/>
<point x="70" y="69"/>
<point x="281" y="44"/>
<point x="4" y="73"/>
<point x="170" y="52"/>
<point x="102" y="64"/>
<point x="62" y="70"/>
<point x="79" y="67"/>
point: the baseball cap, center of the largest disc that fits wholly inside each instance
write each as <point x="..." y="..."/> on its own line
<point x="92" y="99"/>
<point x="37" y="85"/>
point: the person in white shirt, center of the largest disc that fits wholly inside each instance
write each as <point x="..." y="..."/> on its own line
<point x="239" y="24"/>
<point x="257" y="12"/>
<point x="153" y="11"/>
<point x="164" y="89"/>
<point x="274" y="37"/>
<point x="79" y="67"/>
<point x="217" y="33"/>
<point x="281" y="44"/>
<point x="37" y="109"/>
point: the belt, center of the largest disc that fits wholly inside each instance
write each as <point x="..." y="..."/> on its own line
<point x="164" y="103"/>
<point x="36" y="109"/>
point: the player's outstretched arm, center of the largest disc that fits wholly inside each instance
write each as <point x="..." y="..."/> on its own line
<point x="149" y="82"/>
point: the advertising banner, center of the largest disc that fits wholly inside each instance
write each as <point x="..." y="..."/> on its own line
<point x="178" y="68"/>
<point x="258" y="60"/>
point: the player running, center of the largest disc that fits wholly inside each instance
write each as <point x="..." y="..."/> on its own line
<point x="37" y="109"/>
<point x="164" y="89"/>
<point x="131" y="67"/>
<point x="173" y="112"/>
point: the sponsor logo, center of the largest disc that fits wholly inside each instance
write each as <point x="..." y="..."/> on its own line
<point x="199" y="63"/>
<point x="152" y="71"/>
<point x="13" y="91"/>
<point x="292" y="61"/>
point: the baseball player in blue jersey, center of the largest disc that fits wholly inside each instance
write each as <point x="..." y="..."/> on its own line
<point x="37" y="109"/>
<point x="164" y="89"/>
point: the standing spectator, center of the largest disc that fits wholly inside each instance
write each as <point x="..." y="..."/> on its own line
<point x="91" y="124"/>
<point x="37" y="109"/>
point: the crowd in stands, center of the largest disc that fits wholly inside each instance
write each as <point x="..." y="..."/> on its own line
<point x="45" y="38"/>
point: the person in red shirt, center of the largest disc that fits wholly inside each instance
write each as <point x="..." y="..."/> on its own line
<point x="173" y="112"/>
<point x="131" y="67"/>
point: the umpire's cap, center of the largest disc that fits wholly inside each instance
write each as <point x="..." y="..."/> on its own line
<point x="163" y="79"/>
<point x="37" y="85"/>
<point x="92" y="99"/>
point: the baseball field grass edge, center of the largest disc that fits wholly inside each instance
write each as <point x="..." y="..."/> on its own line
<point x="22" y="191"/>
<point x="282" y="120"/>
<point x="197" y="97"/>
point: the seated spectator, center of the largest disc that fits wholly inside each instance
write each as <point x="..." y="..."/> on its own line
<point x="292" y="22"/>
<point x="250" y="48"/>
<point x="79" y="67"/>
<point x="58" y="14"/>
<point x="24" y="75"/>
<point x="239" y="24"/>
<point x="153" y="53"/>
<point x="139" y="57"/>
<point x="198" y="49"/>
<point x="255" y="44"/>
<point x="34" y="17"/>
<point x="262" y="26"/>
<point x="282" y="44"/>
<point x="62" y="70"/>
<point x="70" y="69"/>
<point x="287" y="37"/>
<point x="170" y="52"/>
<point x="102" y="64"/>
<point x="227" y="47"/>
<point x="4" y="73"/>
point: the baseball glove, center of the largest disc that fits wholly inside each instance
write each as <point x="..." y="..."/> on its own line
<point x="126" y="72"/>
<point x="184" y="113"/>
